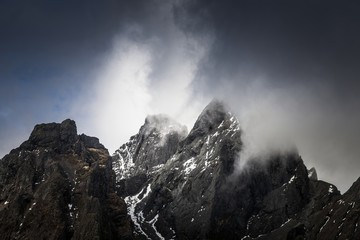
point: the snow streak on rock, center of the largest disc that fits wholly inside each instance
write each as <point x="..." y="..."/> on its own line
<point x="132" y="202"/>
<point x="125" y="165"/>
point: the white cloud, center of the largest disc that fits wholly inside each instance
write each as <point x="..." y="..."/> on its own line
<point x="139" y="78"/>
<point x="308" y="118"/>
<point x="118" y="101"/>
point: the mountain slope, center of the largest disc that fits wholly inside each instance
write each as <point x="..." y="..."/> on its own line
<point x="59" y="185"/>
<point x="194" y="191"/>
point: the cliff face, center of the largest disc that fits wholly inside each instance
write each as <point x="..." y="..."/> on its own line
<point x="59" y="185"/>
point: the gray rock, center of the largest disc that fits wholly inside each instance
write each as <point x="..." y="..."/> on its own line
<point x="146" y="152"/>
<point x="197" y="195"/>
<point x="58" y="185"/>
<point x="194" y="192"/>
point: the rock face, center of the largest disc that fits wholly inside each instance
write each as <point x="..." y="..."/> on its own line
<point x="59" y="185"/>
<point x="146" y="152"/>
<point x="187" y="187"/>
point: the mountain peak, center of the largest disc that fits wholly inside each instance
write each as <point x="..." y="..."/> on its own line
<point x="68" y="130"/>
<point x="148" y="150"/>
<point x="70" y="176"/>
<point x="52" y="133"/>
<point x="162" y="124"/>
<point x="157" y="119"/>
<point x="216" y="104"/>
<point x="213" y="115"/>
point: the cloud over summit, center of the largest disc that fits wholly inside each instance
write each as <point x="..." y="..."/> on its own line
<point x="288" y="69"/>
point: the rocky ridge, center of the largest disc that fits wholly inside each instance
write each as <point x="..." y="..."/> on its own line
<point x="194" y="192"/>
<point x="60" y="185"/>
<point x="167" y="184"/>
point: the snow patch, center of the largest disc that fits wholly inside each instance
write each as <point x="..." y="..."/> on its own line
<point x="285" y="222"/>
<point x="292" y="179"/>
<point x="208" y="140"/>
<point x="157" y="168"/>
<point x="124" y="165"/>
<point x="221" y="124"/>
<point x="327" y="220"/>
<point x="248" y="236"/>
<point x="289" y="182"/>
<point x="174" y="233"/>
<point x="152" y="222"/>
<point x="132" y="202"/>
<point x="202" y="208"/>
<point x="148" y="190"/>
<point x="340" y="225"/>
<point x="32" y="206"/>
<point x="189" y="165"/>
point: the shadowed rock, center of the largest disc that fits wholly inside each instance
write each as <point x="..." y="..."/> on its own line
<point x="58" y="185"/>
<point x="194" y="192"/>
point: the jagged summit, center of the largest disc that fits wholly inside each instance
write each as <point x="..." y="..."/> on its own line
<point x="163" y="124"/>
<point x="54" y="133"/>
<point x="192" y="193"/>
<point x="196" y="165"/>
<point x="60" y="137"/>
<point x="213" y="115"/>
<point x="149" y="149"/>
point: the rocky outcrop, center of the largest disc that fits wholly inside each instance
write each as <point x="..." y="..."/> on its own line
<point x="59" y="185"/>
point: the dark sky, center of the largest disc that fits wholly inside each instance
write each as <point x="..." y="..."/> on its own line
<point x="289" y="69"/>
